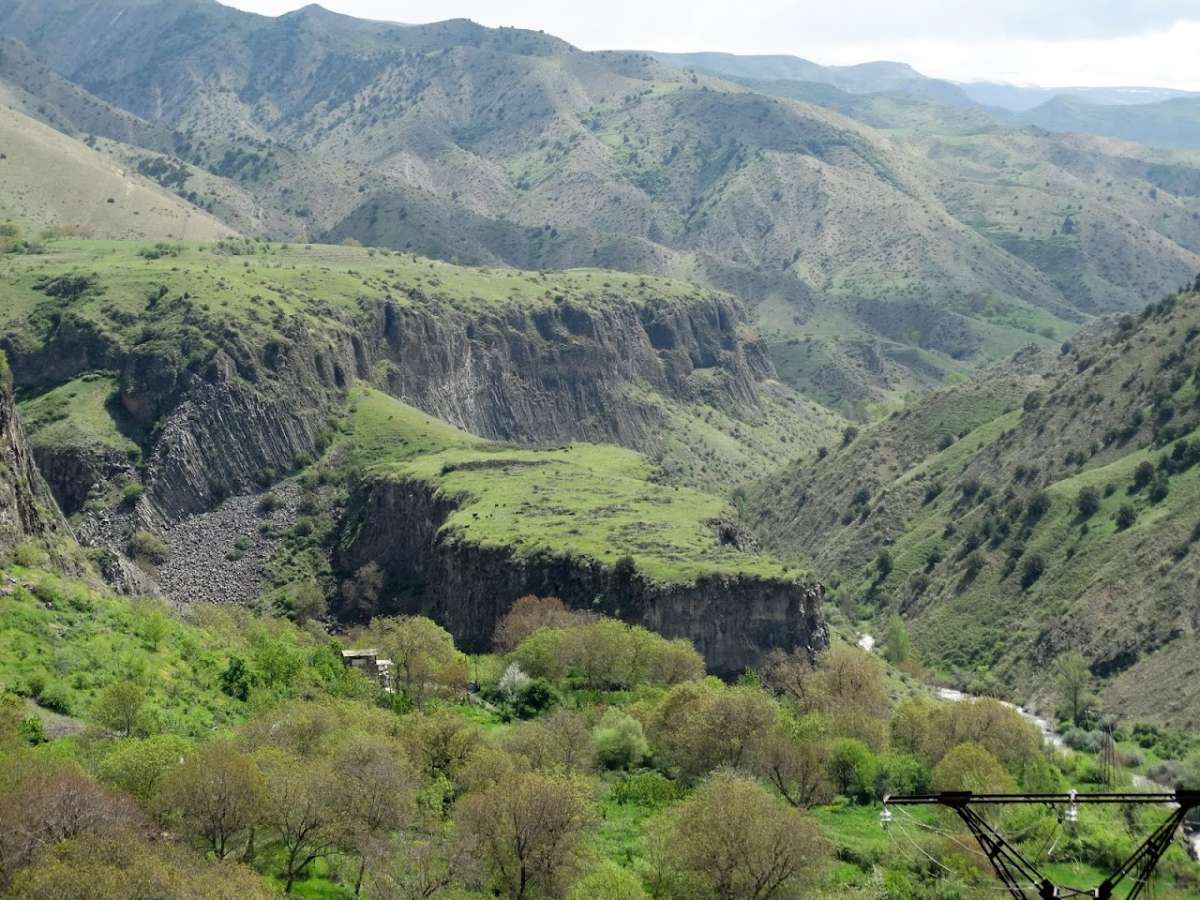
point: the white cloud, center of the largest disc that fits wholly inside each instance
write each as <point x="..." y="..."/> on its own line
<point x="1065" y="42"/>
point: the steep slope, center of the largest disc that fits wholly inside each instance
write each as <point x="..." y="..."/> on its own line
<point x="28" y="516"/>
<point x="50" y="179"/>
<point x="31" y="86"/>
<point x="1062" y="517"/>
<point x="1085" y="211"/>
<point x="170" y="388"/>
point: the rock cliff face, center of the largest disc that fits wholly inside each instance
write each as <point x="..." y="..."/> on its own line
<point x="27" y="510"/>
<point x="538" y="377"/>
<point x="732" y="620"/>
<point x="559" y="374"/>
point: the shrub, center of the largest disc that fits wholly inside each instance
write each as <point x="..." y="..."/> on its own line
<point x="848" y="435"/>
<point x="1087" y="501"/>
<point x="1142" y="476"/>
<point x="1085" y="741"/>
<point x="883" y="564"/>
<point x="269" y="502"/>
<point x="1159" y="489"/>
<point x="149" y="547"/>
<point x="619" y="740"/>
<point x="132" y="492"/>
<point x="534" y="698"/>
<point x="1038" y="506"/>
<point x="1034" y="567"/>
<point x="29" y="555"/>
<point x="55" y="697"/>
<point x="651" y="790"/>
<point x="1126" y="516"/>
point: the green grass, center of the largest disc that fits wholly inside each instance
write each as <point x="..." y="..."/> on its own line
<point x="78" y="413"/>
<point x="258" y="286"/>
<point x="63" y="641"/>
<point x="596" y="501"/>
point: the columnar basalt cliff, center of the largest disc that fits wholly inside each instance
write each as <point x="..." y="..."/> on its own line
<point x="733" y="620"/>
<point x="545" y="376"/>
<point x="538" y="376"/>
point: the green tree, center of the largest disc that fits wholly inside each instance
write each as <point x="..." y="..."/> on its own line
<point x="119" y="707"/>
<point x="733" y="839"/>
<point x="897" y="647"/>
<point x="236" y="680"/>
<point x="1074" y="676"/>
<point x="216" y="796"/>
<point x="608" y="881"/>
<point x="853" y="769"/>
<point x="1142" y="476"/>
<point x="1033" y="568"/>
<point x="619" y="740"/>
<point x="795" y="765"/>
<point x="424" y="661"/>
<point x="700" y="726"/>
<point x="968" y="767"/>
<point x="1126" y="516"/>
<point x="301" y="809"/>
<point x="1087" y="501"/>
<point x="529" y="831"/>
<point x="376" y="793"/>
<point x="1159" y="489"/>
<point x="137" y="766"/>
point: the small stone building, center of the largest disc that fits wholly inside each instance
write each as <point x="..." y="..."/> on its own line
<point x="369" y="663"/>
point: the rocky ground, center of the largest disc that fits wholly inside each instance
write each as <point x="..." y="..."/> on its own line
<point x="200" y="566"/>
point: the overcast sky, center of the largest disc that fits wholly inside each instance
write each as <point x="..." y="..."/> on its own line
<point x="1048" y="42"/>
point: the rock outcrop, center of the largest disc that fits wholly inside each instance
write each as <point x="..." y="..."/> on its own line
<point x="538" y="377"/>
<point x="733" y="620"/>
<point x="27" y="510"/>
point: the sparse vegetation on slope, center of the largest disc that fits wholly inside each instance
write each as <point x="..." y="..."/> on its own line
<point x="1064" y="519"/>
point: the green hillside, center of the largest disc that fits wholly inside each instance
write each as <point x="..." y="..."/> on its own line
<point x="1039" y="511"/>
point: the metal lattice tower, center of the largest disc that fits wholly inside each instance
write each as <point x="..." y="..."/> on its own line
<point x="1020" y="876"/>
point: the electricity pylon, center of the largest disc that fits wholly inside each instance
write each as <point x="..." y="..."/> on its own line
<point x="1020" y="875"/>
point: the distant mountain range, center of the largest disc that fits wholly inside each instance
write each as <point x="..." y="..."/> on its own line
<point x="884" y="241"/>
<point x="1156" y="116"/>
